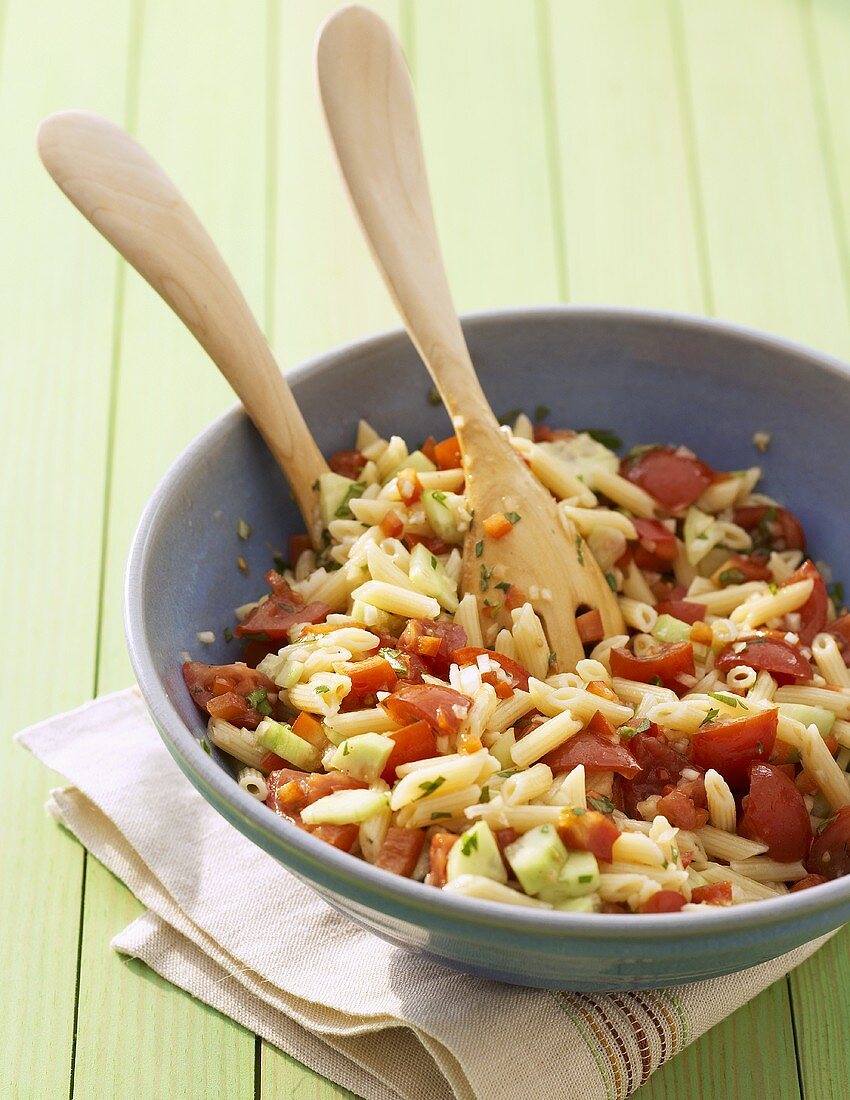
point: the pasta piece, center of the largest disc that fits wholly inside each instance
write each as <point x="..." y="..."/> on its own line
<point x="763" y="689"/>
<point x="750" y="890"/>
<point x="723" y="845"/>
<point x="322" y="694"/>
<point x="637" y="848"/>
<point x="449" y="773"/>
<point x="505" y="644"/>
<point x="590" y="519"/>
<point x="828" y="658"/>
<point x="741" y="678"/>
<point x="820" y="764"/>
<point x="623" y="493"/>
<point x="521" y="818"/>
<point x="350" y="723"/>
<point x="590" y="670"/>
<point x="545" y="738"/>
<point x="722" y="601"/>
<point x="397" y="601"/>
<point x="366" y="436"/>
<point x="532" y="650"/>
<point x="254" y="782"/>
<point x="756" y="612"/>
<point x="637" y="614"/>
<point x="373" y="832"/>
<point x="524" y="786"/>
<point x="567" y="789"/>
<point x="836" y="700"/>
<point x="476" y="886"/>
<point x="762" y="869"/>
<point x="634" y="692"/>
<point x="438" y="808"/>
<point x="466" y="616"/>
<point x="509" y="711"/>
<point x="635" y="586"/>
<point x="582" y="703"/>
<point x="239" y="743"/>
<point x="721" y="802"/>
<point x="554" y="474"/>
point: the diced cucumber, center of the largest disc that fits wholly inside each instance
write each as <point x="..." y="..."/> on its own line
<point x="582" y="455"/>
<point x="537" y="858"/>
<point x="345" y="807"/>
<point x="335" y="491"/>
<point x="476" y="853"/>
<point x="579" y="875"/>
<point x="441" y="512"/>
<point x="430" y="577"/>
<point x="363" y="756"/>
<point x="415" y="461"/>
<point x="668" y="629"/>
<point x="501" y="748"/>
<point x="590" y="903"/>
<point x="279" y="738"/>
<point x="818" y="716"/>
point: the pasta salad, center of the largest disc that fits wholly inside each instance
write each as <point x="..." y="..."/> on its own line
<point x="698" y="760"/>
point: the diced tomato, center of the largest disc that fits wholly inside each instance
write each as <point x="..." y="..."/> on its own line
<point x="665" y="664"/>
<point x="660" y="767"/>
<point x="430" y="542"/>
<point x="514" y="598"/>
<point x="731" y="745"/>
<point x="589" y="627"/>
<point x="739" y="569"/>
<point x="437" y="657"/>
<point x="428" y="449"/>
<point x="413" y="742"/>
<point x="770" y="652"/>
<point x="297" y="545"/>
<point x="656" y="548"/>
<point x="308" y="727"/>
<point x="280" y="612"/>
<point x="664" y="589"/>
<point x="256" y="649"/>
<point x="775" y="814"/>
<point x="401" y="850"/>
<point x="770" y="527"/>
<point x="544" y="434"/>
<point x="447" y="453"/>
<point x="684" y="610"/>
<point x="340" y="836"/>
<point x="442" y="708"/>
<point x="438" y="856"/>
<point x="807" y="883"/>
<point x="830" y="851"/>
<point x="716" y="893"/>
<point x="373" y="674"/>
<point x="409" y="486"/>
<point x="271" y="762"/>
<point x="588" y="830"/>
<point x="600" y="724"/>
<point x="222" y="690"/>
<point x="290" y="790"/>
<point x="467" y="655"/>
<point x="392" y="524"/>
<point x="497" y="526"/>
<point x="321" y="784"/>
<point x="684" y="806"/>
<point x="663" y="901"/>
<point x="601" y="690"/>
<point x="594" y="750"/>
<point x="347" y="463"/>
<point x="814" y="612"/>
<point x="673" y="476"/>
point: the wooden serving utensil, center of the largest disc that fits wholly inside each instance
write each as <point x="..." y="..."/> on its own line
<point x="128" y="198"/>
<point x="370" y="110"/>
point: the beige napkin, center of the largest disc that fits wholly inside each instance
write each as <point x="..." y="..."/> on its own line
<point x="230" y="925"/>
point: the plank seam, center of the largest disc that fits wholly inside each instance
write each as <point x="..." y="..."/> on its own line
<point x="76" y="1014"/>
<point x="553" y="158"/>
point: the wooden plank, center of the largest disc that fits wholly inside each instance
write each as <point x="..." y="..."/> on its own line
<point x="622" y="153"/>
<point x="820" y="990"/>
<point x="775" y="261"/>
<point x="210" y="134"/>
<point x="326" y="289"/>
<point x="750" y="1053"/>
<point x="56" y="312"/>
<point x="478" y="82"/>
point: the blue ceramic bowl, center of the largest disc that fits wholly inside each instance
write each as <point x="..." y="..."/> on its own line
<point x="649" y="377"/>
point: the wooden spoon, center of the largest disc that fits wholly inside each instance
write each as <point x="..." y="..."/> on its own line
<point x="128" y="198"/>
<point x="371" y="115"/>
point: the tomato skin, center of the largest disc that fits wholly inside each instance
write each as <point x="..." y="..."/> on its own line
<point x="815" y="611"/>
<point x="830" y="851"/>
<point x="771" y="527"/>
<point x="684" y="806"/>
<point x="732" y="745"/>
<point x="776" y="814"/>
<point x="673" y="476"/>
<point x="656" y="548"/>
<point x="684" y="610"/>
<point x="438" y="855"/>
<point x="447" y="453"/>
<point x="413" y="742"/>
<point x="664" y="901"/>
<point x="594" y="750"/>
<point x="807" y="883"/>
<point x="769" y="652"/>
<point x="436" y="659"/>
<point x="467" y="655"/>
<point x="347" y="464"/>
<point x="668" y="662"/>
<point x="716" y="893"/>
<point x="401" y="850"/>
<point x="280" y="612"/>
<point x="371" y="675"/>
<point x="442" y="708"/>
<point x="589" y="831"/>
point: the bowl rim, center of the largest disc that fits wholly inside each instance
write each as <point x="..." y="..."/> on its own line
<point x="338" y="868"/>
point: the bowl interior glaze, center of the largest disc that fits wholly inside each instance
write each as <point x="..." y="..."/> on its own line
<point x="649" y="377"/>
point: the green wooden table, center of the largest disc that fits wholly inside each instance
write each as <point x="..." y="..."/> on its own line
<point x="692" y="155"/>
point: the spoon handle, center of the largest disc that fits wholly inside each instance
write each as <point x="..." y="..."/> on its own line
<point x="128" y="198"/>
<point x="371" y="114"/>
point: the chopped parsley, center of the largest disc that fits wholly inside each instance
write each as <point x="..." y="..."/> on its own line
<point x="322" y="689"/>
<point x="507" y="773"/>
<point x="602" y="805"/>
<point x="774" y="588"/>
<point x="826" y="821"/>
<point x="434" y="397"/>
<point x="357" y="489"/>
<point x="628" y="732"/>
<point x="315" y="486"/>
<point x="279" y="564"/>
<point x="345" y="749"/>
<point x="509" y="416"/>
<point x="732" y="576"/>
<point x="395" y="660"/>
<point x="479" y="548"/>
<point x="505" y="586"/>
<point x="259" y="700"/>
<point x="469" y="844"/>
<point x="585" y="878"/>
<point x="579" y="811"/>
<point x="612" y="581"/>
<point x="541" y="412"/>
<point x="759" y="748"/>
<point x="552" y="659"/>
<point x="656" y="681"/>
<point x="729" y="700"/>
<point x="431" y="785"/>
<point x="439" y="497"/>
<point x="836" y="593"/>
<point x="513" y="517"/>
<point x="606" y="437"/>
<point x="712" y="714"/>
<point x="579" y="551"/>
<point x="206" y="748"/>
<point x="440" y="815"/>
<point x="485" y="794"/>
<point x="227" y="634"/>
<point x="486" y="574"/>
<point x="433" y="562"/>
